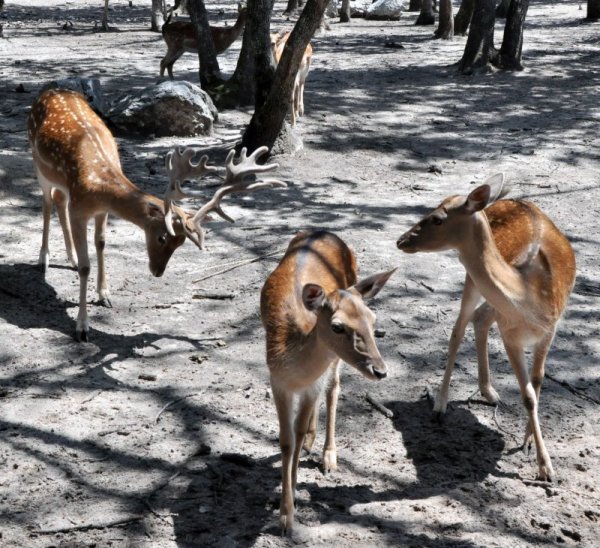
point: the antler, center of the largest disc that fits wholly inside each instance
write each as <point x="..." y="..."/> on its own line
<point x="235" y="182"/>
<point x="179" y="166"/>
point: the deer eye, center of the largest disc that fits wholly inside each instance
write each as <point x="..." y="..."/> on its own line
<point x="337" y="327"/>
<point x="162" y="240"/>
<point x="437" y="221"/>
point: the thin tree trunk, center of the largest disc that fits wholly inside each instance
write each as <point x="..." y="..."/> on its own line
<point x="291" y="6"/>
<point x="345" y="11"/>
<point x="463" y="17"/>
<point x="209" y="71"/>
<point x="480" y="42"/>
<point x="445" y="29"/>
<point x="509" y="56"/>
<point x="426" y="17"/>
<point x="158" y="16"/>
<point x="502" y="9"/>
<point x="593" y="10"/>
<point x="267" y="121"/>
<point x="415" y="5"/>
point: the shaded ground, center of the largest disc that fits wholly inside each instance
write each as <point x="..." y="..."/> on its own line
<point x="87" y="439"/>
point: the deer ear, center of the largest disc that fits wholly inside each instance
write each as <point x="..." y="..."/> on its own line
<point x="478" y="199"/>
<point x="313" y="297"/>
<point x="498" y="187"/>
<point x="369" y="287"/>
<point x="155" y="211"/>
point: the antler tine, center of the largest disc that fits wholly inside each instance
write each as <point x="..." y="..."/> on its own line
<point x="179" y="166"/>
<point x="234" y="182"/>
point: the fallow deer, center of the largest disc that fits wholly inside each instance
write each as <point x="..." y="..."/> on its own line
<point x="78" y="168"/>
<point x="313" y="312"/>
<point x="522" y="266"/>
<point x="180" y="36"/>
<point x="278" y="42"/>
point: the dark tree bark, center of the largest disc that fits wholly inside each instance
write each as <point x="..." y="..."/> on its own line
<point x="480" y="42"/>
<point x="426" y="17"/>
<point x="593" y="10"/>
<point x="509" y="56"/>
<point x="210" y="73"/>
<point x="268" y="120"/>
<point x="158" y="15"/>
<point x="292" y="5"/>
<point x="445" y="29"/>
<point x="415" y="5"/>
<point x="502" y="9"/>
<point x="463" y="17"/>
<point x="345" y="11"/>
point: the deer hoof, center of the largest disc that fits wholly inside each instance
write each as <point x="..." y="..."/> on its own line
<point x="81" y="336"/>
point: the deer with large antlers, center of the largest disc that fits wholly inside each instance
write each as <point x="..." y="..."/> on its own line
<point x="180" y="37"/>
<point x="78" y="167"/>
<point x="278" y="43"/>
<point x="314" y="315"/>
<point x="522" y="266"/>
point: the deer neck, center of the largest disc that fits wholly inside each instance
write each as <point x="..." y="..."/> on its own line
<point x="498" y="282"/>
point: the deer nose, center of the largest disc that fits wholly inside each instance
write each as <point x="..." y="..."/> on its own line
<point x="380" y="373"/>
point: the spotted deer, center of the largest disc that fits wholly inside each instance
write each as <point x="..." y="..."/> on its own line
<point x="522" y="266"/>
<point x="79" y="170"/>
<point x="313" y="312"/>
<point x="180" y="37"/>
<point x="278" y="42"/>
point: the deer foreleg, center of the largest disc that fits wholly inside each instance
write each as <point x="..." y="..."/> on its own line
<point x="79" y="231"/>
<point x="62" y="203"/>
<point x="333" y="390"/>
<point x="483" y="319"/>
<point x="100" y="242"/>
<point x="470" y="299"/>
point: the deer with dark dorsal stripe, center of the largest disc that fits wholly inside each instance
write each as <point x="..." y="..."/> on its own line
<point x="313" y="312"/>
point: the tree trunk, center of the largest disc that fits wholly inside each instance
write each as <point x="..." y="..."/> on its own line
<point x="426" y="17"/>
<point x="158" y="16"/>
<point x="415" y="5"/>
<point x="463" y="17"/>
<point x="345" y="11"/>
<point x="509" y="56"/>
<point x="502" y="9"/>
<point x="209" y="71"/>
<point x="593" y="10"/>
<point x="291" y="6"/>
<point x="445" y="29"/>
<point x="480" y="42"/>
<point x="268" y="120"/>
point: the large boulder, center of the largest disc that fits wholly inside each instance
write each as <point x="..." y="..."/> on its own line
<point x="385" y="10"/>
<point x="168" y="108"/>
<point x="90" y="88"/>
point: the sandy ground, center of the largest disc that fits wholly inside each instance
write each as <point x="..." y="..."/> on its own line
<point x="161" y="430"/>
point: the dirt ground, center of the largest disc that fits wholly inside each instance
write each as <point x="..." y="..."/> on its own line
<point x="161" y="430"/>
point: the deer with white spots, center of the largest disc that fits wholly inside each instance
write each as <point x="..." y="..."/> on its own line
<point x="523" y="268"/>
<point x="78" y="167"/>
<point x="314" y="315"/>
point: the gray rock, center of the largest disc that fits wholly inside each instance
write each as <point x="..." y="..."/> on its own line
<point x="168" y="108"/>
<point x="90" y="88"/>
<point x="385" y="10"/>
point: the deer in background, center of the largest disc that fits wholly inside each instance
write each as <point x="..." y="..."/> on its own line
<point x="180" y="36"/>
<point x="522" y="266"/>
<point x="78" y="168"/>
<point x="313" y="312"/>
<point x="278" y="42"/>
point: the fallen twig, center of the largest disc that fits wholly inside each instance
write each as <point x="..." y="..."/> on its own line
<point x="427" y="287"/>
<point x="167" y="405"/>
<point x="214" y="296"/>
<point x="572" y="389"/>
<point x="91" y="397"/>
<point x="85" y="526"/>
<point x="379" y="406"/>
<point x="497" y="422"/>
<point x="237" y="264"/>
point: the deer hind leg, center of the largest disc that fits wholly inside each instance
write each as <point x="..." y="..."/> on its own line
<point x="284" y="404"/>
<point x="44" y="257"/>
<point x="516" y="356"/>
<point x="333" y="391"/>
<point x="62" y="203"/>
<point x="309" y="439"/>
<point x="79" y="231"/>
<point x="100" y="242"/>
<point x="483" y="319"/>
<point x="540" y="351"/>
<point x="470" y="299"/>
